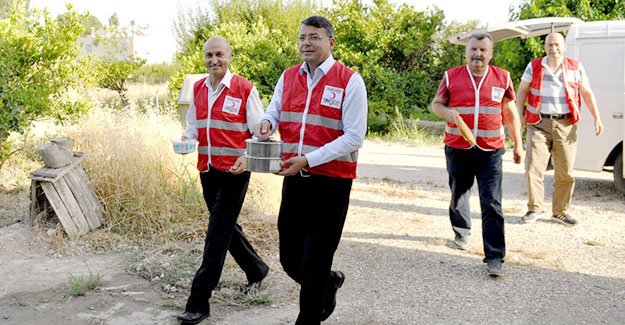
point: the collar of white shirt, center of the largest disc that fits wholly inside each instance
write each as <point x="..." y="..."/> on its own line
<point x="224" y="81"/>
<point x="325" y="66"/>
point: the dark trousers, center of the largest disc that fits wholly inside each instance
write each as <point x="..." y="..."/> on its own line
<point x="463" y="167"/>
<point x="224" y="194"/>
<point x="310" y="223"/>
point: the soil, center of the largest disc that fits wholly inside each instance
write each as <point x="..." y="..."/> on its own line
<point x="394" y="254"/>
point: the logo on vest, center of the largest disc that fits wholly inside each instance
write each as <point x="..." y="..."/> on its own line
<point x="232" y="105"/>
<point x="332" y="97"/>
<point x="497" y="94"/>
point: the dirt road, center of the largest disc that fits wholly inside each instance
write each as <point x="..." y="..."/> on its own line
<point x="393" y="252"/>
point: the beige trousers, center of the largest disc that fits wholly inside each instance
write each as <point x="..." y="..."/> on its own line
<point x="557" y="138"/>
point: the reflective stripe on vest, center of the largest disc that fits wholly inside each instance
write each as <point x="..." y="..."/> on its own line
<point x="221" y="151"/>
<point x="293" y="147"/>
<point x="223" y="125"/>
<point x="312" y="119"/>
<point x="481" y="110"/>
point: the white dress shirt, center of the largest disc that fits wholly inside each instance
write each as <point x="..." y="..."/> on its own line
<point x="354" y="114"/>
<point x="254" y="108"/>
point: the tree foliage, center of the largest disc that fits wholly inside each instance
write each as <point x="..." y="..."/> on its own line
<point x="393" y="49"/>
<point x="514" y="54"/>
<point x="40" y="73"/>
<point x="114" y="74"/>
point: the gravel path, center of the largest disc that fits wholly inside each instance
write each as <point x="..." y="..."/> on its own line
<point x="394" y="254"/>
<point x="400" y="271"/>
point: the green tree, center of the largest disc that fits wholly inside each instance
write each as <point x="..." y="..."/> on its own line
<point x="394" y="49"/>
<point x="92" y="24"/>
<point x="40" y="73"/>
<point x="114" y="74"/>
<point x="514" y="54"/>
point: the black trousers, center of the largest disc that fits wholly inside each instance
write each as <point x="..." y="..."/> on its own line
<point x="310" y="223"/>
<point x="224" y="194"/>
<point x="465" y="166"/>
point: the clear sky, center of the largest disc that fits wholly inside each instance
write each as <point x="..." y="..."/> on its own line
<point x="159" y="45"/>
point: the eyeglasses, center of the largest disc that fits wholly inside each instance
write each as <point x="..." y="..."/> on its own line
<point x="312" y="38"/>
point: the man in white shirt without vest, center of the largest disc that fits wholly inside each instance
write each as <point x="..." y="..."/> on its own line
<point x="222" y="115"/>
<point x="320" y="109"/>
<point x="553" y="87"/>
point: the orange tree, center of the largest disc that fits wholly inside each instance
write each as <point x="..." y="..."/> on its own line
<point x="40" y="75"/>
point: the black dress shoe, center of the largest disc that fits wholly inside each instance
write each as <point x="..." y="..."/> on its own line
<point x="191" y="318"/>
<point x="330" y="298"/>
<point x="255" y="284"/>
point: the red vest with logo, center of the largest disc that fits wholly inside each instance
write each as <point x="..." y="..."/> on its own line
<point x="485" y="105"/>
<point x="226" y="123"/>
<point x="323" y="118"/>
<point x="570" y="71"/>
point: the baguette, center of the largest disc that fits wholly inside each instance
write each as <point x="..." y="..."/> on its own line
<point x="464" y="129"/>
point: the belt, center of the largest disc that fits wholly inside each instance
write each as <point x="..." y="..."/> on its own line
<point x="555" y="116"/>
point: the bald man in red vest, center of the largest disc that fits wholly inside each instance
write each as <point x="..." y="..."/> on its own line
<point x="224" y="111"/>
<point x="553" y="87"/>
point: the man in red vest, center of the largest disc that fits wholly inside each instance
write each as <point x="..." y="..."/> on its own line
<point x="224" y="111"/>
<point x="481" y="96"/>
<point x="320" y="109"/>
<point x="552" y="86"/>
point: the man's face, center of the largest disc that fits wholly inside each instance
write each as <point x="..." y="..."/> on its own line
<point x="217" y="57"/>
<point x="314" y="46"/>
<point x="479" y="52"/>
<point x="555" y="46"/>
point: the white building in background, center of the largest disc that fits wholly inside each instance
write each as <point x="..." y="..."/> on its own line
<point x="103" y="43"/>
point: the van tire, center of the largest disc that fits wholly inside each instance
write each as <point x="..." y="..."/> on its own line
<point x="619" y="182"/>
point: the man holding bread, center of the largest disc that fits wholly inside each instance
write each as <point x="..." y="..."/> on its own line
<point x="475" y="99"/>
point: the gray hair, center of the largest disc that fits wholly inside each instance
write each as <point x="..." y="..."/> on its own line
<point x="480" y="36"/>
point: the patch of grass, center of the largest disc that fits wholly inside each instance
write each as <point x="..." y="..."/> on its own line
<point x="593" y="243"/>
<point x="80" y="284"/>
<point x="408" y="131"/>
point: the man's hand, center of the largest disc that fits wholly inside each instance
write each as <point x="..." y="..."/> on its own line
<point x="294" y="165"/>
<point x="517" y="154"/>
<point x="262" y="130"/>
<point x="451" y="115"/>
<point x="598" y="127"/>
<point x="239" y="166"/>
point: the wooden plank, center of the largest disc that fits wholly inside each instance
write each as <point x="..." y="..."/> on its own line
<point x="59" y="208"/>
<point x="72" y="206"/>
<point x="78" y="188"/>
<point x="54" y="174"/>
<point x="34" y="206"/>
<point x="80" y="171"/>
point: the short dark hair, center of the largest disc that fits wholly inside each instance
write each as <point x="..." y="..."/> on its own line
<point x="320" y="22"/>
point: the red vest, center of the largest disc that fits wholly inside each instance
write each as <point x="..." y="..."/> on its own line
<point x="226" y="122"/>
<point x="571" y="90"/>
<point x="485" y="105"/>
<point x="323" y="118"/>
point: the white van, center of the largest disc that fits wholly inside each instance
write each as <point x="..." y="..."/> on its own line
<point x="600" y="46"/>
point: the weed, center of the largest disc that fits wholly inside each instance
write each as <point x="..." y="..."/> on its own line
<point x="80" y="284"/>
<point x="592" y="243"/>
